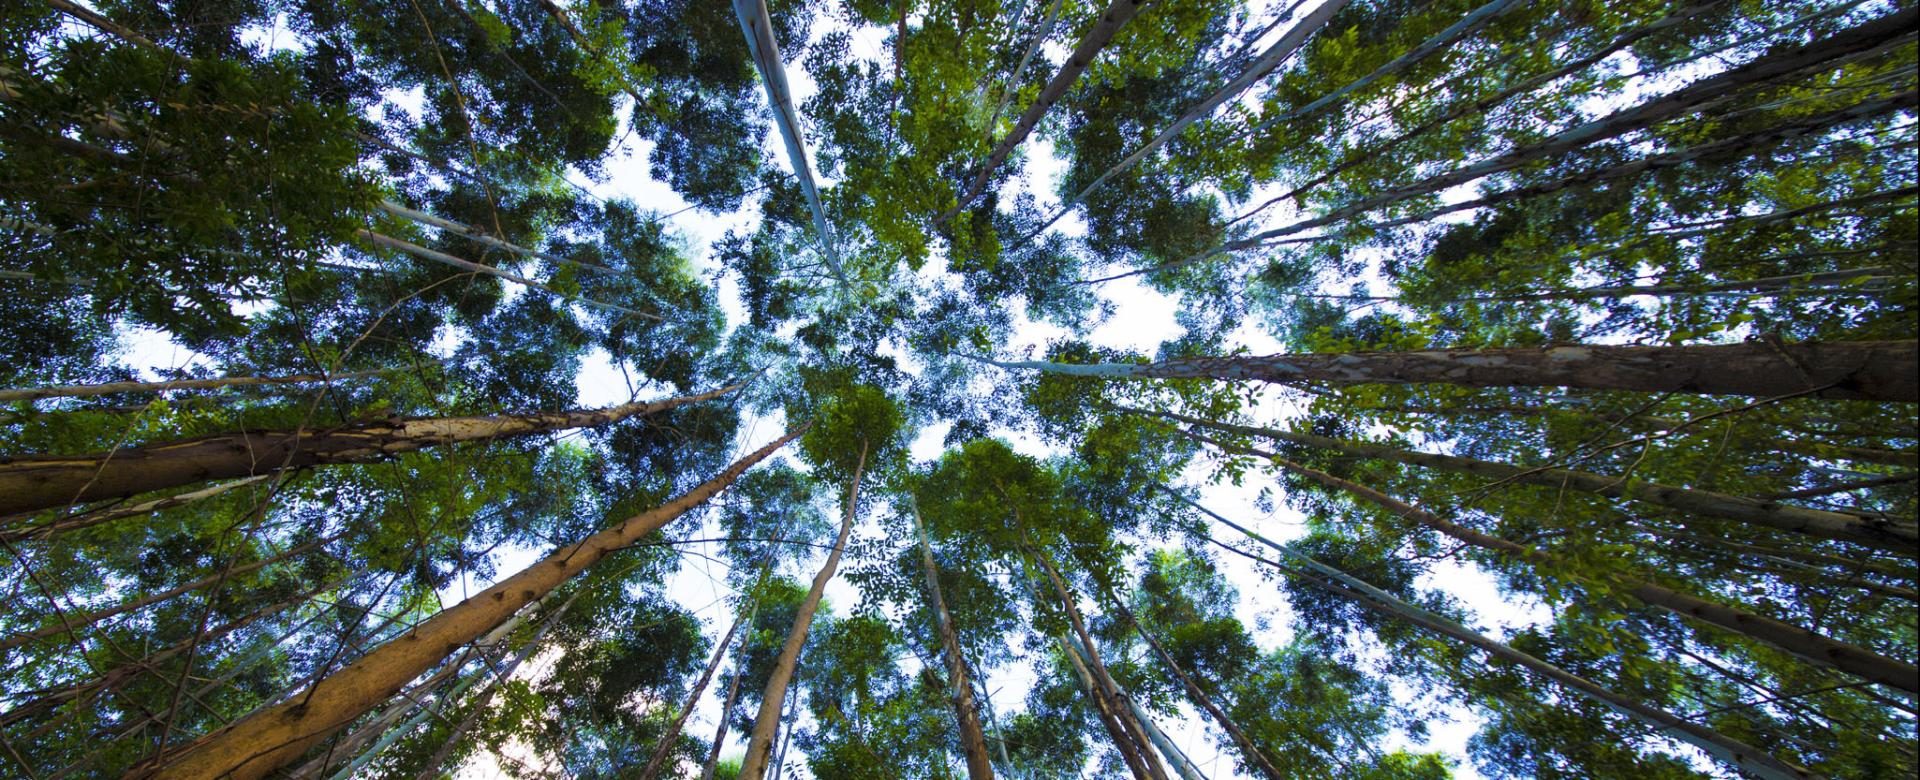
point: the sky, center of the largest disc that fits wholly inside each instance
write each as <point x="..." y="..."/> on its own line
<point x="1148" y="321"/>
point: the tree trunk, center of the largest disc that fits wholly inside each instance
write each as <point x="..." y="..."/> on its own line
<point x="1182" y="766"/>
<point x="87" y="391"/>
<point x="72" y="623"/>
<point x="268" y="739"/>
<point x="757" y="25"/>
<point x="1251" y="752"/>
<point x="767" y="722"/>
<point x="1116" y="16"/>
<point x="47" y="481"/>
<point x="1812" y="57"/>
<point x="480" y="236"/>
<point x="1737" y="754"/>
<point x="1116" y="733"/>
<point x="380" y="239"/>
<point x="973" y="739"/>
<point x="720" y="733"/>
<point x="1884" y="457"/>
<point x="1813" y="647"/>
<point x="1867" y="370"/>
<point x="447" y="746"/>
<point x="665" y="748"/>
<point x="61" y="525"/>
<point x="1880" y="534"/>
<point x="1276" y="54"/>
<point x="1109" y="689"/>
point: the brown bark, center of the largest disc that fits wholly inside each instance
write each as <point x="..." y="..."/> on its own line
<point x="1109" y="689"/>
<point x="720" y="733"/>
<point x="47" y="481"/>
<point x="767" y="722"/>
<point x="973" y="739"/>
<point x="665" y="748"/>
<point x="270" y="738"/>
<point x="61" y="525"/>
<point x="1116" y="16"/>
<point x="1104" y="707"/>
<point x="1199" y="696"/>
<point x="1808" y="645"/>
<point x="1867" y="370"/>
<point x="1878" y="533"/>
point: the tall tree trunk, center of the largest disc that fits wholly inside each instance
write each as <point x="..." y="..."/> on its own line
<point x="268" y="739"/>
<point x="665" y="748"/>
<point x="1104" y="707"/>
<point x="1811" y="646"/>
<point x="973" y="739"/>
<point x="441" y="754"/>
<point x="1873" y="532"/>
<point x="1735" y="753"/>
<point x="757" y="25"/>
<point x="61" y="525"/>
<point x="720" y="732"/>
<point x="1884" y="457"/>
<point x="1868" y="370"/>
<point x="1270" y="59"/>
<point x="767" y="722"/>
<point x="1248" y="750"/>
<point x="1182" y="765"/>
<point x="1111" y="690"/>
<point x="73" y="623"/>
<point x="1812" y="57"/>
<point x="408" y="247"/>
<point x="105" y="388"/>
<point x="1116" y="16"/>
<point x="47" y="481"/>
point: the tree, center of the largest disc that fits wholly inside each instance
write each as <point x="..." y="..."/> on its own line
<point x="1565" y="353"/>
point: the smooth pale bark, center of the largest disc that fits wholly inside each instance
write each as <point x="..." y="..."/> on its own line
<point x="1815" y="56"/>
<point x="1248" y="750"/>
<point x="1864" y="370"/>
<point x="480" y="236"/>
<point x="44" y="482"/>
<point x="767" y="722"/>
<point x="57" y="526"/>
<point x="665" y="748"/>
<point x="447" y="746"/>
<point x="1900" y="538"/>
<point x="85" y="391"/>
<point x="1808" y="645"/>
<point x="973" y="739"/>
<point x="757" y="25"/>
<point x="1182" y="766"/>
<point x="443" y="258"/>
<point x="268" y="739"/>
<point x="1278" y="53"/>
<point x="1115" y="698"/>
<point x="1122" y="744"/>
<point x="1735" y="753"/>
<point x="1116" y="16"/>
<point x="71" y="623"/>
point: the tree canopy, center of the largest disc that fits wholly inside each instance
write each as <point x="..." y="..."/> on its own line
<point x="896" y="389"/>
